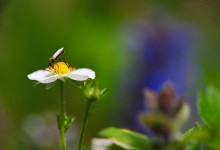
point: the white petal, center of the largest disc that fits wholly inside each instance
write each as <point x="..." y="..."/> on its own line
<point x="39" y="74"/>
<point x="82" y="74"/>
<point x="43" y="76"/>
<point x="49" y="79"/>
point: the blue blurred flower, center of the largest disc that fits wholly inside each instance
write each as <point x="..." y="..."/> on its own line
<point x="164" y="48"/>
<point x="166" y="51"/>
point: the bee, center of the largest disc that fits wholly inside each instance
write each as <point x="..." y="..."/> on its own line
<point x="55" y="57"/>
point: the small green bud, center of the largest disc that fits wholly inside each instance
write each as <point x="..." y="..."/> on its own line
<point x="66" y="122"/>
<point x="92" y="91"/>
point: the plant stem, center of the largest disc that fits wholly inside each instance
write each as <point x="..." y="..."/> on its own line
<point x="62" y="117"/>
<point x="84" y="123"/>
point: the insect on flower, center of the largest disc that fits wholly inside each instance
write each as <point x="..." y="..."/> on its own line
<point x="59" y="69"/>
<point x="55" y="57"/>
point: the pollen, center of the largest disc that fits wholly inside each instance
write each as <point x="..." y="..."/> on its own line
<point x="61" y="68"/>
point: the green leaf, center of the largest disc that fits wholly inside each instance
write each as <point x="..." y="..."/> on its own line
<point x="209" y="107"/>
<point x="127" y="139"/>
<point x="193" y="145"/>
<point x="104" y="144"/>
<point x="157" y="122"/>
<point x="200" y="135"/>
<point x="115" y="147"/>
<point x="197" y="132"/>
<point x="192" y="139"/>
<point x="214" y="143"/>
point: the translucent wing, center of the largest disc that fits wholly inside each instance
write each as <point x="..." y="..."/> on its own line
<point x="58" y="52"/>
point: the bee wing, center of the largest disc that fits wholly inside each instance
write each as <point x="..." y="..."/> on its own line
<point x="58" y="52"/>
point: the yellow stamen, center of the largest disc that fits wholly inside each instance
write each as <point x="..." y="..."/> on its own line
<point x="61" y="68"/>
<point x="72" y="69"/>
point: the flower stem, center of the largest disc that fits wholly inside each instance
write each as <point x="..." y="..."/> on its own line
<point x="62" y="118"/>
<point x="84" y="122"/>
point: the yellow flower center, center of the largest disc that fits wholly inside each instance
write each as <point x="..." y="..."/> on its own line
<point x="61" y="68"/>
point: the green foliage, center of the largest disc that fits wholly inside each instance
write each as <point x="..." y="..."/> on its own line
<point x="67" y="122"/>
<point x="197" y="132"/>
<point x="209" y="107"/>
<point x="194" y="137"/>
<point x="157" y="122"/>
<point x="115" y="147"/>
<point x="202" y="136"/>
<point x="193" y="145"/>
<point x="206" y="136"/>
<point x="127" y="139"/>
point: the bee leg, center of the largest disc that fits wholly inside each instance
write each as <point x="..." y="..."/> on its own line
<point x="58" y="68"/>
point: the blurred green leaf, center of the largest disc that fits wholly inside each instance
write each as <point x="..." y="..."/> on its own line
<point x="127" y="139"/>
<point x="191" y="139"/>
<point x="196" y="133"/>
<point x="115" y="147"/>
<point x="209" y="107"/>
<point x="157" y="122"/>
<point x="104" y="144"/>
<point x="214" y="143"/>
<point x="193" y="145"/>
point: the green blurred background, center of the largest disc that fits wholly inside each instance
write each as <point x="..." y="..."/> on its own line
<point x="90" y="31"/>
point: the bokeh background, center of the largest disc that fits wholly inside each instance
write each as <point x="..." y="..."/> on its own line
<point x="130" y="44"/>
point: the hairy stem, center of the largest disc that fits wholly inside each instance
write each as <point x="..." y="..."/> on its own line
<point x="62" y="118"/>
<point x="84" y="123"/>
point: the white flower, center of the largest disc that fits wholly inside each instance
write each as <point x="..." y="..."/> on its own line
<point x="61" y="70"/>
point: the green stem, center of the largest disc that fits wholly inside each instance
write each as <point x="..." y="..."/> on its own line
<point x="84" y="123"/>
<point x="62" y="117"/>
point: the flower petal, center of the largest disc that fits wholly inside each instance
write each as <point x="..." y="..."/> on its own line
<point x="43" y="76"/>
<point x="82" y="74"/>
<point x="49" y="79"/>
<point x="38" y="74"/>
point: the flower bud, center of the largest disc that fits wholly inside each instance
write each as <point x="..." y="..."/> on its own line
<point x="92" y="91"/>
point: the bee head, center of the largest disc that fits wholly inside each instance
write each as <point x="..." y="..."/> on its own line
<point x="51" y="62"/>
